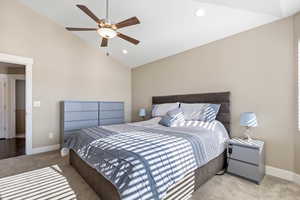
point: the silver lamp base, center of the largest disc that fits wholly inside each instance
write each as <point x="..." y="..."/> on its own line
<point x="248" y="134"/>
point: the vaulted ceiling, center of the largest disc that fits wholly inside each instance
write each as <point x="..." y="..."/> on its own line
<point x="167" y="27"/>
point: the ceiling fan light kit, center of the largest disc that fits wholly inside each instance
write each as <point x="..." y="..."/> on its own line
<point x="105" y="29"/>
<point x="107" y="33"/>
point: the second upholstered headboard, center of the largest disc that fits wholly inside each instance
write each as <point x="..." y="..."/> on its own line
<point x="222" y="98"/>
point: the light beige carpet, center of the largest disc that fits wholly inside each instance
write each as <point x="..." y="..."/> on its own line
<point x="48" y="176"/>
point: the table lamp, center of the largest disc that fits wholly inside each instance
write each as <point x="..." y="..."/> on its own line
<point x="142" y="113"/>
<point x="248" y="119"/>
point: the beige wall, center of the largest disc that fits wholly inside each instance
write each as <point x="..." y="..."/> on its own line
<point x="65" y="67"/>
<point x="257" y="66"/>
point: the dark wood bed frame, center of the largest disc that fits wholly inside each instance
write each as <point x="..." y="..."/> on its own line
<point x="192" y="181"/>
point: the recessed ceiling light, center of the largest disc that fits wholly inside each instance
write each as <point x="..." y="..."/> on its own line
<point x="124" y="51"/>
<point x="200" y="12"/>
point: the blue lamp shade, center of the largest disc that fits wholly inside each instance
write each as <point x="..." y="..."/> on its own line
<point x="248" y="119"/>
<point x="142" y="112"/>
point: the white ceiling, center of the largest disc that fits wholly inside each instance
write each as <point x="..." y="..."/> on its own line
<point x="167" y="27"/>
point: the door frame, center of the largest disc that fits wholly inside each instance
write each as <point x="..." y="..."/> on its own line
<point x="28" y="63"/>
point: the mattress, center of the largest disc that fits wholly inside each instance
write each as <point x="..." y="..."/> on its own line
<point x="143" y="160"/>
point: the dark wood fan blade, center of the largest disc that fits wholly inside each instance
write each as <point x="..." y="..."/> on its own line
<point x="104" y="42"/>
<point x="129" y="39"/>
<point x="81" y="29"/>
<point x="89" y="13"/>
<point x="128" y="22"/>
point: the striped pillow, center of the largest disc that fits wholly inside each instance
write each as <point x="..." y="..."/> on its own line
<point x="200" y="111"/>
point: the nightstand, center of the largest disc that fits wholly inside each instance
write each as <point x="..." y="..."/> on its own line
<point x="246" y="159"/>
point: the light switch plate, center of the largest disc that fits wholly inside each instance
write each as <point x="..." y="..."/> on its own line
<point x="51" y="135"/>
<point x="36" y="104"/>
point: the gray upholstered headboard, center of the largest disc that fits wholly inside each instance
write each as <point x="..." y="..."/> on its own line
<point x="222" y="98"/>
<point x="76" y="115"/>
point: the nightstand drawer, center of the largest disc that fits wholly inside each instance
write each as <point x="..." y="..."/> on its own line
<point x="250" y="155"/>
<point x="245" y="170"/>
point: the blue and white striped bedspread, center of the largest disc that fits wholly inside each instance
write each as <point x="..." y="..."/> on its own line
<point x="144" y="162"/>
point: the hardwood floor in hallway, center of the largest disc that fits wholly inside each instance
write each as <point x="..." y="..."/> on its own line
<point x="12" y="147"/>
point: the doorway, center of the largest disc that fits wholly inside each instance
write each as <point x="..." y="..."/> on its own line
<point x="12" y="110"/>
<point x="26" y="65"/>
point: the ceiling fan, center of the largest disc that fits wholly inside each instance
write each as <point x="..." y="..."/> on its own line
<point x="105" y="28"/>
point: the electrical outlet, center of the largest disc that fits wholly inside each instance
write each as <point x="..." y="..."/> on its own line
<point x="51" y="135"/>
<point x="64" y="152"/>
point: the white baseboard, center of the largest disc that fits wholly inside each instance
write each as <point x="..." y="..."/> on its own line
<point x="283" y="174"/>
<point x="45" y="149"/>
<point x="280" y="173"/>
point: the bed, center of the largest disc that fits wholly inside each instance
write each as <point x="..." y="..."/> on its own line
<point x="188" y="178"/>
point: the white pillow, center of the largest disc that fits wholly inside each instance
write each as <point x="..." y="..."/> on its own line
<point x="192" y="111"/>
<point x="159" y="110"/>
